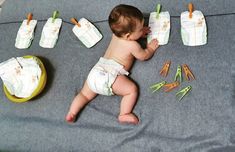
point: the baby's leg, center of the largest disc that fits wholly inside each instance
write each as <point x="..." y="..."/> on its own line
<point x="128" y="89"/>
<point x="79" y="102"/>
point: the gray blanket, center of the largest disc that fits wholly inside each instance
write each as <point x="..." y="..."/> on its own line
<point x="203" y="121"/>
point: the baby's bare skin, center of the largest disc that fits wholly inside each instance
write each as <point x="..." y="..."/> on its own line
<point x="123" y="50"/>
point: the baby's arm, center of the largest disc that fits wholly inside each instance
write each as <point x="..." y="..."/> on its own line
<point x="144" y="54"/>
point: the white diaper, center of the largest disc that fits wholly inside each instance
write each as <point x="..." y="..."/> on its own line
<point x="103" y="75"/>
<point x="87" y="33"/>
<point x="160" y="27"/>
<point x="193" y="30"/>
<point x="50" y="33"/>
<point x="20" y="76"/>
<point x="25" y="34"/>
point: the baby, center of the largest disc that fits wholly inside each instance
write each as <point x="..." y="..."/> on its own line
<point x="109" y="75"/>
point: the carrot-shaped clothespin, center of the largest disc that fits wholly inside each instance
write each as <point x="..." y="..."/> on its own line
<point x="188" y="73"/>
<point x="158" y="9"/>
<point x="74" y="21"/>
<point x="190" y="8"/>
<point x="165" y="69"/>
<point x="29" y="18"/>
<point x="54" y="16"/>
<point x="170" y="86"/>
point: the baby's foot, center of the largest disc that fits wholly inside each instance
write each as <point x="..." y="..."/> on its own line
<point x="70" y="118"/>
<point x="128" y="118"/>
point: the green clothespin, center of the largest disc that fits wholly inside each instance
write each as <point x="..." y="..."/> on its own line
<point x="158" y="9"/>
<point x="157" y="86"/>
<point x="183" y="92"/>
<point x="55" y="15"/>
<point x="178" y="74"/>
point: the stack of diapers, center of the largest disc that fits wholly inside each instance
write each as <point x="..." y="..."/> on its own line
<point x="159" y="24"/>
<point x="50" y="31"/>
<point x="86" y="32"/>
<point x="20" y="76"/>
<point x="193" y="27"/>
<point x="25" y="33"/>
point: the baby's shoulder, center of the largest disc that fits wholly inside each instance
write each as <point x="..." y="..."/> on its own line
<point x="133" y="45"/>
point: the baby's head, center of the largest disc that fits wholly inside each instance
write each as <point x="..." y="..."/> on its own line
<point x="126" y="22"/>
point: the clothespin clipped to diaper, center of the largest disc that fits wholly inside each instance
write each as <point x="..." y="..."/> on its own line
<point x="159" y="23"/>
<point x="193" y="27"/>
<point x="158" y="10"/>
<point x="25" y="33"/>
<point x="50" y="31"/>
<point x="86" y="32"/>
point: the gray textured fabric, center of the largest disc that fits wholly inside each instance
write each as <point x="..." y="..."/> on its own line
<point x="203" y="121"/>
<point x="96" y="10"/>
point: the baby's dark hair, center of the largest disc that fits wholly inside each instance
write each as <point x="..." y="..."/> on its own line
<point x="122" y="19"/>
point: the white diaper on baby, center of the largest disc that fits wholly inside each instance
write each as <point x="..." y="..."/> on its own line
<point x="87" y="33"/>
<point x="25" y="34"/>
<point x="193" y="30"/>
<point x="103" y="75"/>
<point x="160" y="27"/>
<point x="20" y="76"/>
<point x="50" y="33"/>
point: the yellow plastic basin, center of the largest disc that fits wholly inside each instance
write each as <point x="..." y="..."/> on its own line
<point x="38" y="90"/>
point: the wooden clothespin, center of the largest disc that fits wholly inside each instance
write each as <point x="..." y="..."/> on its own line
<point x="29" y="18"/>
<point x="75" y="22"/>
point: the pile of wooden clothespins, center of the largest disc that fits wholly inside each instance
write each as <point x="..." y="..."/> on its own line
<point x="177" y="80"/>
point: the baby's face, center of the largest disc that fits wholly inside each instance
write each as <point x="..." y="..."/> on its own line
<point x="138" y="31"/>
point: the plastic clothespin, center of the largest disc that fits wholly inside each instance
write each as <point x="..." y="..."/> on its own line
<point x="183" y="92"/>
<point x="170" y="86"/>
<point x="55" y="15"/>
<point x="158" y="9"/>
<point x="74" y="21"/>
<point x="165" y="68"/>
<point x="178" y="74"/>
<point x="157" y="86"/>
<point x="190" y="8"/>
<point x="188" y="73"/>
<point x="29" y="18"/>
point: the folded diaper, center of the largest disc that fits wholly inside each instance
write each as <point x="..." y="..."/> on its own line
<point x="25" y="34"/>
<point x="103" y="75"/>
<point x="193" y="30"/>
<point x="87" y="33"/>
<point x="20" y="76"/>
<point x="50" y="33"/>
<point x="160" y="27"/>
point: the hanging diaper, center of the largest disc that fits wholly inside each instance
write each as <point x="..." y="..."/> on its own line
<point x="51" y="31"/>
<point x="86" y="32"/>
<point x="159" y="24"/>
<point x="193" y="27"/>
<point x="25" y="33"/>
<point x="20" y="76"/>
<point x="103" y="75"/>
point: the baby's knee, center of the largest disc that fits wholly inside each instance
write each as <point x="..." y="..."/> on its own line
<point x="133" y="88"/>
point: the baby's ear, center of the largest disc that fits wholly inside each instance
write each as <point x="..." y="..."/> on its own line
<point x="127" y="36"/>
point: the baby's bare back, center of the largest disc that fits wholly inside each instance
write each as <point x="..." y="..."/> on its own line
<point x="120" y="51"/>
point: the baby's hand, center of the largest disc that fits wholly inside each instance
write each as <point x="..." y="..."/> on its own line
<point x="146" y="30"/>
<point x="153" y="45"/>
